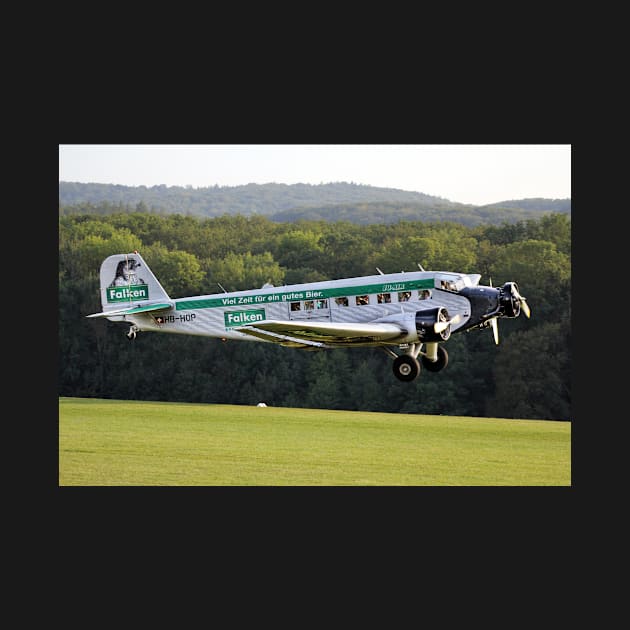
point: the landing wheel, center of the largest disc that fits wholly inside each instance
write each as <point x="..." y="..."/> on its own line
<point x="440" y="364"/>
<point x="406" y="368"/>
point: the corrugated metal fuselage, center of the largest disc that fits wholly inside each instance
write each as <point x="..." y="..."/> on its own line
<point x="358" y="300"/>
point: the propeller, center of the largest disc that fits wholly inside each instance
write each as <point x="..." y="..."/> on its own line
<point x="518" y="302"/>
<point x="517" y="299"/>
<point x="522" y="300"/>
<point x="438" y="327"/>
<point x="495" y="330"/>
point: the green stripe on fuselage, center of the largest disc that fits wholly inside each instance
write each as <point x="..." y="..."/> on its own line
<point x="303" y="294"/>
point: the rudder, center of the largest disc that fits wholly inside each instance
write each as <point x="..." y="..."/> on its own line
<point x="126" y="279"/>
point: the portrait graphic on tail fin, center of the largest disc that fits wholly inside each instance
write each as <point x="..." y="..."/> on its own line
<point x="126" y="273"/>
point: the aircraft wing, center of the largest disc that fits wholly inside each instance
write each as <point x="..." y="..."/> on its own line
<point x="147" y="308"/>
<point x="322" y="334"/>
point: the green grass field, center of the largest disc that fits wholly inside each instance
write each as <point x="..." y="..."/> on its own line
<point x="122" y="443"/>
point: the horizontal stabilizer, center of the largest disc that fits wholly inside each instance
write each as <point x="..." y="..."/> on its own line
<point x="147" y="308"/>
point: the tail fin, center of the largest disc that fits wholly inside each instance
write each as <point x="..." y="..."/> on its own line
<point x="128" y="282"/>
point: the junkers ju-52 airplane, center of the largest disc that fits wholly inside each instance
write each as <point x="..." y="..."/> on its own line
<point x="412" y="312"/>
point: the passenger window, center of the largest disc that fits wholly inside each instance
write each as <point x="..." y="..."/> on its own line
<point x="384" y="298"/>
<point x="341" y="301"/>
<point x="309" y="305"/>
<point x="295" y="306"/>
<point x="425" y="295"/>
<point x="362" y="300"/>
<point x="404" y="296"/>
<point x="321" y="304"/>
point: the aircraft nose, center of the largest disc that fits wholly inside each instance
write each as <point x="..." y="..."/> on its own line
<point x="484" y="302"/>
<point x="489" y="299"/>
<point x="494" y="303"/>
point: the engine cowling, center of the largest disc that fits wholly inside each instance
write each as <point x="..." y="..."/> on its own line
<point x="425" y="324"/>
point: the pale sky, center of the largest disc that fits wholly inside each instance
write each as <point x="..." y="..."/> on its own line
<point x="466" y="173"/>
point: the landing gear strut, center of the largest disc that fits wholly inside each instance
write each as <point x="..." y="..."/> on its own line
<point x="437" y="362"/>
<point x="133" y="330"/>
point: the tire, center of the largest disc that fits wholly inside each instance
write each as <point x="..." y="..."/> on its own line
<point x="406" y="368"/>
<point x="440" y="364"/>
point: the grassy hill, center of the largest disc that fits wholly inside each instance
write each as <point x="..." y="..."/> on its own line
<point x="121" y="443"/>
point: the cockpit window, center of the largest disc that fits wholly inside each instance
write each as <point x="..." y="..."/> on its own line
<point x="451" y="284"/>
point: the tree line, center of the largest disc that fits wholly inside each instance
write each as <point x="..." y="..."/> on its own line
<point x="526" y="376"/>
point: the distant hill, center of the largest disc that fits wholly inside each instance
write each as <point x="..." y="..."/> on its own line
<point x="367" y="213"/>
<point x="340" y="201"/>
<point x="537" y="204"/>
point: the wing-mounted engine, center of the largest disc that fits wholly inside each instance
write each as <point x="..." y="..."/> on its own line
<point x="433" y="324"/>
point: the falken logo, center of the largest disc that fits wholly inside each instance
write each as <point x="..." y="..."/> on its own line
<point x="124" y="294"/>
<point x="242" y="318"/>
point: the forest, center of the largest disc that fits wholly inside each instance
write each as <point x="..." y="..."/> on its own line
<point x="339" y="201"/>
<point x="265" y="199"/>
<point x="526" y="376"/>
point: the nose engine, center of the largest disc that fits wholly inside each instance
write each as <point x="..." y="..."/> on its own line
<point x="487" y="304"/>
<point x="511" y="301"/>
<point x="509" y="305"/>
